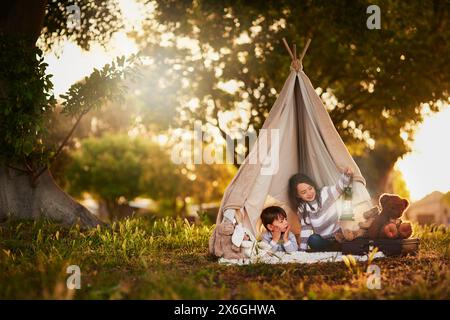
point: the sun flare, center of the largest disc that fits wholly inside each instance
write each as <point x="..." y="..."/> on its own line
<point x="426" y="168"/>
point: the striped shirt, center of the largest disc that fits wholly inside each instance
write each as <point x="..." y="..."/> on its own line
<point x="324" y="221"/>
<point x="288" y="246"/>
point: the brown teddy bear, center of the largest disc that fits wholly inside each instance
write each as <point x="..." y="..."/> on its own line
<point x="220" y="243"/>
<point x="370" y="216"/>
<point x="382" y="224"/>
<point x="349" y="235"/>
<point x="387" y="223"/>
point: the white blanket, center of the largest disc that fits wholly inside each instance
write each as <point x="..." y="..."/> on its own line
<point x="262" y="255"/>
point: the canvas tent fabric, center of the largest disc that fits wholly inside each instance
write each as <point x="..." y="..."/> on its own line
<point x="297" y="136"/>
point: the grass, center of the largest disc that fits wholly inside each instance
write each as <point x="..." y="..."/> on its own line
<point x="167" y="259"/>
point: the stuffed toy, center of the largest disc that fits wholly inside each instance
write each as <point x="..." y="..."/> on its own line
<point x="243" y="239"/>
<point x="381" y="222"/>
<point x="220" y="243"/>
<point x="362" y="232"/>
<point x="369" y="217"/>
<point x="230" y="239"/>
<point x="387" y="224"/>
<point x="348" y="235"/>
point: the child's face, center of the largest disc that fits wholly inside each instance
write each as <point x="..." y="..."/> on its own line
<point x="306" y="192"/>
<point x="280" y="223"/>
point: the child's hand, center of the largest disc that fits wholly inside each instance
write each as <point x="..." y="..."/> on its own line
<point x="286" y="234"/>
<point x="276" y="234"/>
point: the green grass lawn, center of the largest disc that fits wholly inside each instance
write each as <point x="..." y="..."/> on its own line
<point x="167" y="259"/>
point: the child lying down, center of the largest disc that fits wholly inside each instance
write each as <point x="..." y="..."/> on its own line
<point x="278" y="234"/>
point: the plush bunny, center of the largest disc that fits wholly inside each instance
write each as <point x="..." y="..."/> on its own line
<point x="230" y="239"/>
<point x="244" y="239"/>
<point x="220" y="243"/>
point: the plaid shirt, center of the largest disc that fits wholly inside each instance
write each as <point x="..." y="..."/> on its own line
<point x="288" y="246"/>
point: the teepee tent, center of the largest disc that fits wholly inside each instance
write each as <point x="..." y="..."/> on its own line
<point x="297" y="136"/>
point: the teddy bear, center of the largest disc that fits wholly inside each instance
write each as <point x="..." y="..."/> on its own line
<point x="369" y="217"/>
<point x="349" y="235"/>
<point x="384" y="223"/>
<point x="220" y="243"/>
<point x="362" y="232"/>
<point x="387" y="223"/>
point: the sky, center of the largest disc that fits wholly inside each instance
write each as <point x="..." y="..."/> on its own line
<point x="425" y="169"/>
<point x="74" y="63"/>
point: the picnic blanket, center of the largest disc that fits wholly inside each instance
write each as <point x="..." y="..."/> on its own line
<point x="262" y="254"/>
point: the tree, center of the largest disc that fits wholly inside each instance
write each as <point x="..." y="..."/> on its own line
<point x="115" y="169"/>
<point x="109" y="168"/>
<point x="27" y="187"/>
<point x="172" y="184"/>
<point x="209" y="181"/>
<point x="378" y="77"/>
<point x="118" y="118"/>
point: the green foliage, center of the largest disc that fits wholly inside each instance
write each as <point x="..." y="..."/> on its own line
<point x="99" y="20"/>
<point x="378" y="78"/>
<point x="25" y="99"/>
<point x="435" y="239"/>
<point x="42" y="250"/>
<point x="110" y="166"/>
<point x="399" y="185"/>
<point x="100" y="87"/>
<point x="210" y="181"/>
<point x="115" y="166"/>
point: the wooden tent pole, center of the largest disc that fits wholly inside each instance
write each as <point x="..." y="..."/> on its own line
<point x="296" y="63"/>
<point x="304" y="50"/>
<point x="288" y="49"/>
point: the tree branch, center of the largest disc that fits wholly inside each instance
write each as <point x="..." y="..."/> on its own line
<point x="222" y="132"/>
<point x="18" y="169"/>
<point x="58" y="152"/>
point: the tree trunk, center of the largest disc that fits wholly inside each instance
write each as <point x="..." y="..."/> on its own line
<point x="182" y="211"/>
<point x="174" y="206"/>
<point x="377" y="166"/>
<point x="23" y="17"/>
<point x="19" y="200"/>
<point x="112" y="207"/>
<point x="386" y="183"/>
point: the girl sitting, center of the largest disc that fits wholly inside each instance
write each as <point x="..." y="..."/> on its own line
<point x="316" y="209"/>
